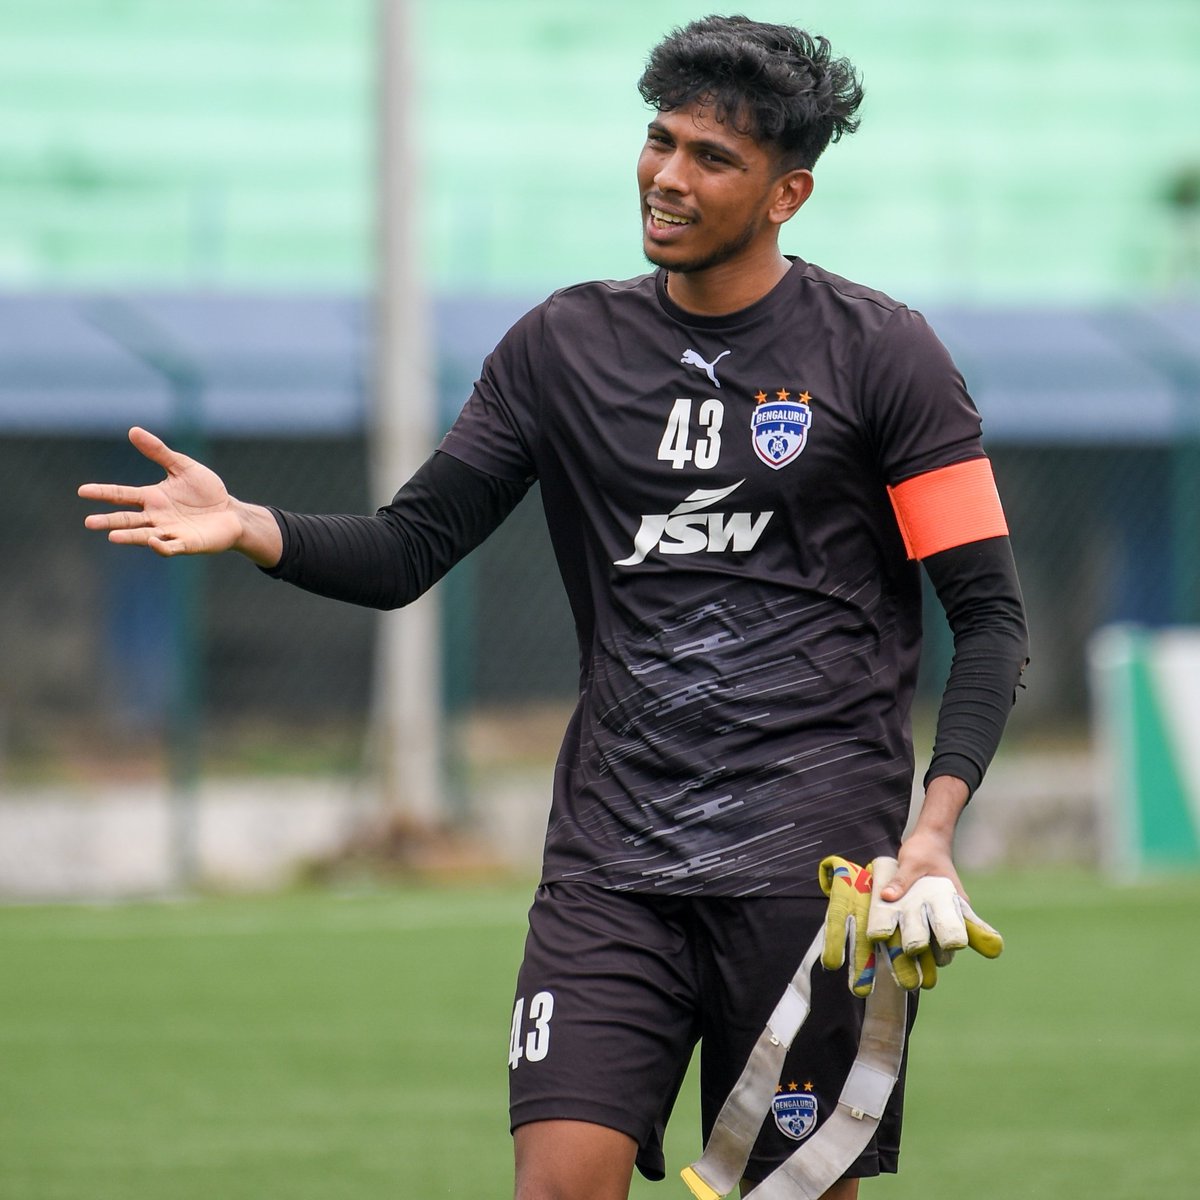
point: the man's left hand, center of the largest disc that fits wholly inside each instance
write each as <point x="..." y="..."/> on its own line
<point x="932" y="917"/>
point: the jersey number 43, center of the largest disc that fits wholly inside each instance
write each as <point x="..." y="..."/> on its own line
<point x="530" y="1039"/>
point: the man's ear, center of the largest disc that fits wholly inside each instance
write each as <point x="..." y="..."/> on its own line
<point x="791" y="191"/>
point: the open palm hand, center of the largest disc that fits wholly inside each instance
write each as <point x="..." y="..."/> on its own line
<point x="188" y="512"/>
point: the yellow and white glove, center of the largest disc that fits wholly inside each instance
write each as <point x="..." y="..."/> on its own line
<point x="914" y="935"/>
<point x="931" y="920"/>
<point x="848" y="887"/>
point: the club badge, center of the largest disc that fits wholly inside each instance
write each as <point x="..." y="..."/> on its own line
<point x="795" y="1113"/>
<point x="780" y="426"/>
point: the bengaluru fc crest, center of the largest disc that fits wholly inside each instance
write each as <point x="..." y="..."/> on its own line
<point x="795" y="1114"/>
<point x="779" y="427"/>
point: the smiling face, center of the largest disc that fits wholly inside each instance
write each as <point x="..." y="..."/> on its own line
<point x="712" y="196"/>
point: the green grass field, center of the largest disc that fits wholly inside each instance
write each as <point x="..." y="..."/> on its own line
<point x="316" y="1045"/>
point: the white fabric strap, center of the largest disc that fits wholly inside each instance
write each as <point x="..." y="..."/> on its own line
<point x="720" y="1167"/>
<point x="821" y="1160"/>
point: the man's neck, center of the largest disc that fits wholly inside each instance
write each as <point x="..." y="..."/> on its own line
<point x="726" y="288"/>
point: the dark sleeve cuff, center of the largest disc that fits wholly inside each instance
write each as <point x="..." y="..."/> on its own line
<point x="285" y="533"/>
<point x="957" y="765"/>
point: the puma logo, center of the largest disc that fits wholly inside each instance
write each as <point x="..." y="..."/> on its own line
<point x="692" y="359"/>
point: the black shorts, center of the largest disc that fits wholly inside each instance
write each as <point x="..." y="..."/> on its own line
<point x="617" y="988"/>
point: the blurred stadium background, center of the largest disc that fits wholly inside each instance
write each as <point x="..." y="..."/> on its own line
<point x="187" y="241"/>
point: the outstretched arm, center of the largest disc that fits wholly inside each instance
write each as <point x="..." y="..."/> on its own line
<point x="188" y="512"/>
<point x="389" y="559"/>
<point x="382" y="561"/>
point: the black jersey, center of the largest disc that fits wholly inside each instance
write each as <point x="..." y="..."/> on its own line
<point x="748" y="620"/>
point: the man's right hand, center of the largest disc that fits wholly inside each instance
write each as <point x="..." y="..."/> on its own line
<point x="188" y="512"/>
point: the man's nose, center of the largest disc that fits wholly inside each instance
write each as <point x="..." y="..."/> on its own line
<point x="671" y="175"/>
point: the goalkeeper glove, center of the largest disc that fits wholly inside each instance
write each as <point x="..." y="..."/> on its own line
<point x="931" y="920"/>
<point x="848" y="887"/>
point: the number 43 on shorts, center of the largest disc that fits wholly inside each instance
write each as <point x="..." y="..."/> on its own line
<point x="530" y="1039"/>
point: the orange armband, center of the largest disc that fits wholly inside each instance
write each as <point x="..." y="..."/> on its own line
<point x="947" y="507"/>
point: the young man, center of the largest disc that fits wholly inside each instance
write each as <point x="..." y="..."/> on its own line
<point x="741" y="456"/>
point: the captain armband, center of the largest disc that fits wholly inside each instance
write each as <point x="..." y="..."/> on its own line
<point x="947" y="507"/>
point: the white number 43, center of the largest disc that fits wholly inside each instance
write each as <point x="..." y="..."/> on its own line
<point x="676" y="445"/>
<point x="534" y="1043"/>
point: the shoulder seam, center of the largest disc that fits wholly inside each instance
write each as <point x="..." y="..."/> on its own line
<point x="868" y="353"/>
<point x="875" y="298"/>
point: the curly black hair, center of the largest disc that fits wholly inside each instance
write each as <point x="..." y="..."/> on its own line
<point x="774" y="82"/>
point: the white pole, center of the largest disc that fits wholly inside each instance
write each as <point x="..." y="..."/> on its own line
<point x="407" y="715"/>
